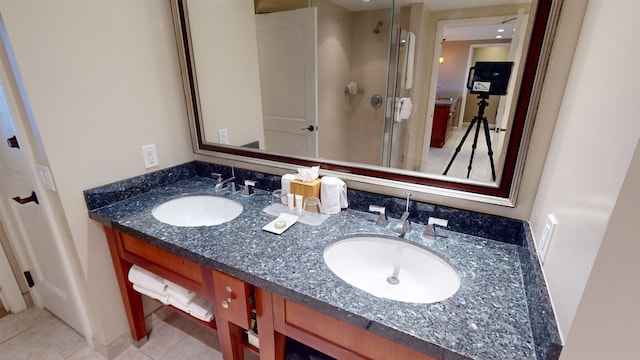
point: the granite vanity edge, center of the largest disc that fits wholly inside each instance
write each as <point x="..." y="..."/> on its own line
<point x="548" y="343"/>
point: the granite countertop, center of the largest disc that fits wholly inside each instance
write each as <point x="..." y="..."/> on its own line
<point x="487" y="318"/>
<point x="446" y="101"/>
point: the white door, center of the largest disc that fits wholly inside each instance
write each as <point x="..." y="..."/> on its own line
<point x="288" y="77"/>
<point x="25" y="220"/>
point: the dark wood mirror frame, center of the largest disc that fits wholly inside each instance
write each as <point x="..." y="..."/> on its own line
<point x="535" y="65"/>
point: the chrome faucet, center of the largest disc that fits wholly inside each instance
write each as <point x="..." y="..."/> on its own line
<point x="382" y="220"/>
<point x="404" y="225"/>
<point x="220" y="182"/>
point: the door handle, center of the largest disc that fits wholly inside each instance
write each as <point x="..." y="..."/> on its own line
<point x="13" y="142"/>
<point x="29" y="199"/>
<point x="310" y="128"/>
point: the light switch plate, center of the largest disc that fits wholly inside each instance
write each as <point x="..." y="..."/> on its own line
<point x="44" y="174"/>
<point x="547" y="234"/>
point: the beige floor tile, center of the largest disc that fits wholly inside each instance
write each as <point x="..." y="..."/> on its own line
<point x="133" y="353"/>
<point x="15" y="324"/>
<point x="50" y="339"/>
<point x="166" y="335"/>
<point x="193" y="348"/>
<point x="86" y="353"/>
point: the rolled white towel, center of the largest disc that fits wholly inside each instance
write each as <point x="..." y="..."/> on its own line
<point x="163" y="298"/>
<point x="147" y="280"/>
<point x="285" y="184"/>
<point x="201" y="308"/>
<point x="333" y="194"/>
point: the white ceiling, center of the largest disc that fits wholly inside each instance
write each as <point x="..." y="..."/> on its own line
<point x="450" y="34"/>
<point x="482" y="32"/>
<point x="433" y="5"/>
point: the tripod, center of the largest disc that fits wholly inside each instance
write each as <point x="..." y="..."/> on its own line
<point x="476" y="121"/>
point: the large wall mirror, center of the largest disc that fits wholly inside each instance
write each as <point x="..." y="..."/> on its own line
<point x="376" y="89"/>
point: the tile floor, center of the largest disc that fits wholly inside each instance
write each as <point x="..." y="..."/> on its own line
<point x="481" y="168"/>
<point x="37" y="334"/>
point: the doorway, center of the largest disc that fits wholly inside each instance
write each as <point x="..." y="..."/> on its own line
<point x="459" y="44"/>
<point x="26" y="212"/>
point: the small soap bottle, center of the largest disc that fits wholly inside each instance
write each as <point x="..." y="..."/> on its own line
<point x="290" y="202"/>
<point x="299" y="203"/>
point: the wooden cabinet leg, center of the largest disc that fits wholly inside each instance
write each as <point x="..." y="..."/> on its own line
<point x="230" y="336"/>
<point x="272" y="344"/>
<point x="131" y="299"/>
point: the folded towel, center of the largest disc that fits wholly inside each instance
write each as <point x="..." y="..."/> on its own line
<point x="163" y="298"/>
<point x="178" y="305"/>
<point x="179" y="294"/>
<point x="146" y="279"/>
<point x="201" y="308"/>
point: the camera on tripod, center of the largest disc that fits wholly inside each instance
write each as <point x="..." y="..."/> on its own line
<point x="489" y="78"/>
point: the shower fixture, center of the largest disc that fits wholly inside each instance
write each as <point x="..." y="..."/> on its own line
<point x="377" y="29"/>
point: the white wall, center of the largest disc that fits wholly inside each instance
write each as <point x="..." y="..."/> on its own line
<point x="229" y="91"/>
<point x="103" y="79"/>
<point x="593" y="143"/>
<point x="606" y="323"/>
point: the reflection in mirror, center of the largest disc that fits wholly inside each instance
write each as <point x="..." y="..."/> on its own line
<point x="371" y="88"/>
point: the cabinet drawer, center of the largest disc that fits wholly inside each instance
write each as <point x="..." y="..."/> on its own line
<point x="170" y="266"/>
<point x="335" y="337"/>
<point x="232" y="299"/>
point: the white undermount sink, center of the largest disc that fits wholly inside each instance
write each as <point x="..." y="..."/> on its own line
<point x="392" y="269"/>
<point x="197" y="210"/>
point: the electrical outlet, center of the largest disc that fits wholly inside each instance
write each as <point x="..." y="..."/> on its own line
<point x="223" y="136"/>
<point x="150" y="156"/>
<point x="547" y="235"/>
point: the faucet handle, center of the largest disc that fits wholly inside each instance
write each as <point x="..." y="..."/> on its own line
<point x="382" y="218"/>
<point x="248" y="187"/>
<point x="217" y="175"/>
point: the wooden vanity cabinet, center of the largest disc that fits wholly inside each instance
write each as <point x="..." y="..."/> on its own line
<point x="442" y="123"/>
<point x="229" y="322"/>
<point x="278" y="318"/>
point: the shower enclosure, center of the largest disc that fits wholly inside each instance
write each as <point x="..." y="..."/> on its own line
<point x="363" y="48"/>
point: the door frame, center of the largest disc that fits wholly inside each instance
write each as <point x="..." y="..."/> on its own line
<point x="10" y="293"/>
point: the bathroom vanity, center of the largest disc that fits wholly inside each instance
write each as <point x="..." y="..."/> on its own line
<point x="501" y="309"/>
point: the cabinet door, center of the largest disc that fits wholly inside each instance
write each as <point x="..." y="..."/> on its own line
<point x="232" y="299"/>
<point x="440" y="126"/>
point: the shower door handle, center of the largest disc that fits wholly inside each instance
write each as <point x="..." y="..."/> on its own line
<point x="310" y="128"/>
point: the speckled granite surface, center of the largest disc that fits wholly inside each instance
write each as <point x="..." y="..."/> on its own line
<point x="501" y="311"/>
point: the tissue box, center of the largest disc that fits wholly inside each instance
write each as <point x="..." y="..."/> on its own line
<point x="305" y="188"/>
